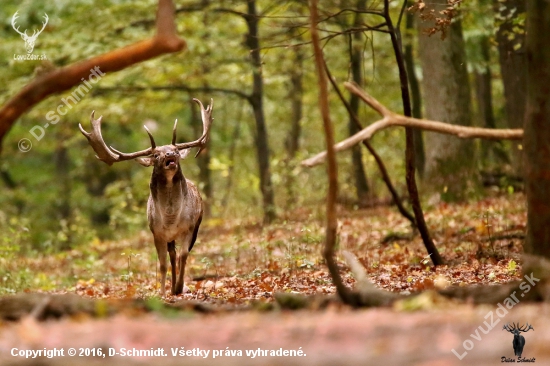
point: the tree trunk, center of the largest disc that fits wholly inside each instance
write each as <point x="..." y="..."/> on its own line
<point x="7" y="178"/>
<point x="537" y="129"/>
<point x="492" y="151"/>
<point x="410" y="169"/>
<point x="295" y="95"/>
<point x="63" y="201"/>
<point x="450" y="162"/>
<point x="292" y="142"/>
<point x="513" y="68"/>
<point x="356" y="63"/>
<point x="256" y="99"/>
<point x="416" y="98"/>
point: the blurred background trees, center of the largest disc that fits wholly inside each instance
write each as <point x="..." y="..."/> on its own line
<point x="254" y="58"/>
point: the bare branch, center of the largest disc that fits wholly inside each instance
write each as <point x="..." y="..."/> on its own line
<point x="176" y="87"/>
<point x="393" y="119"/>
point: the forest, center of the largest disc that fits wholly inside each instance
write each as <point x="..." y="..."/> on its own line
<point x="318" y="182"/>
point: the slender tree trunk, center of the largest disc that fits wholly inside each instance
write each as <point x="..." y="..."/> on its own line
<point x="292" y="142"/>
<point x="203" y="160"/>
<point x="395" y="36"/>
<point x="331" y="230"/>
<point x="513" y="68"/>
<point x="63" y="201"/>
<point x="7" y="178"/>
<point x="295" y="95"/>
<point x="416" y="98"/>
<point x="256" y="99"/>
<point x="492" y="151"/>
<point x="537" y="129"/>
<point x="356" y="63"/>
<point x="377" y="158"/>
<point x="235" y="136"/>
<point x="450" y="162"/>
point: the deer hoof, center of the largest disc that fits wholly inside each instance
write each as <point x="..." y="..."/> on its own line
<point x="180" y="289"/>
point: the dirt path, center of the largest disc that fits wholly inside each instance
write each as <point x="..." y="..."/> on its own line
<point x="332" y="337"/>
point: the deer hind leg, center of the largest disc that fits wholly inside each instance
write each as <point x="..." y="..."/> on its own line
<point x="161" y="252"/>
<point x="172" y="253"/>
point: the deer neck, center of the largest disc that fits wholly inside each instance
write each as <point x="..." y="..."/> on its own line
<point x="167" y="192"/>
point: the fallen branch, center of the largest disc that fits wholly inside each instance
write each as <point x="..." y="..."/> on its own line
<point x="393" y="119"/>
<point x="165" y="41"/>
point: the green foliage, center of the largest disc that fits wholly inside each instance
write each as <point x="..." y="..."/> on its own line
<point x="110" y="202"/>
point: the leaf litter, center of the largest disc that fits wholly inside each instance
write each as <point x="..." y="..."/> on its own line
<point x="238" y="262"/>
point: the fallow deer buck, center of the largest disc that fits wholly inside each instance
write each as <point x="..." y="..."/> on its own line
<point x="174" y="208"/>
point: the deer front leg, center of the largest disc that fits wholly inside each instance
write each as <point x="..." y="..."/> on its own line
<point x="161" y="246"/>
<point x="172" y="253"/>
<point x="182" y="262"/>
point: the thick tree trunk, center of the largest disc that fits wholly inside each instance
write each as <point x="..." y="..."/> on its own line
<point x="356" y="62"/>
<point x="513" y="68"/>
<point x="537" y="129"/>
<point x="416" y="98"/>
<point x="450" y="162"/>
<point x="261" y="139"/>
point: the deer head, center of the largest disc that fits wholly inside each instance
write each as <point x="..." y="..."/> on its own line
<point x="29" y="40"/>
<point x="163" y="158"/>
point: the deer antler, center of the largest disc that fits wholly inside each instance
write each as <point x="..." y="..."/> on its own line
<point x="108" y="154"/>
<point x="517" y="327"/>
<point x="509" y="328"/>
<point x="526" y="328"/>
<point x="13" y="19"/>
<point x="206" y="115"/>
<point x="34" y="33"/>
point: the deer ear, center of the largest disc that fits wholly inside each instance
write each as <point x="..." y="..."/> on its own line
<point x="184" y="153"/>
<point x="145" y="161"/>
